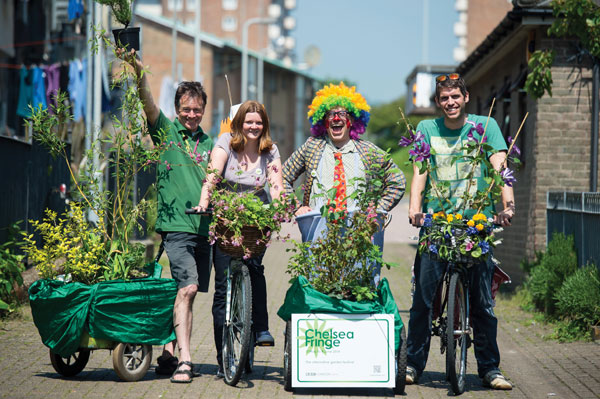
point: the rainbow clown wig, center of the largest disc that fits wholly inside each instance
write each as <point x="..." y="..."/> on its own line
<point x="333" y="96"/>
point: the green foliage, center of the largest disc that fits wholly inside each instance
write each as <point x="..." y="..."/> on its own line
<point x="121" y="9"/>
<point x="72" y="246"/>
<point x="575" y="18"/>
<point x="11" y="267"/>
<point x="546" y="278"/>
<point x="579" y="18"/>
<point x="384" y="124"/>
<point x="539" y="80"/>
<point x="339" y="263"/>
<point x="578" y="300"/>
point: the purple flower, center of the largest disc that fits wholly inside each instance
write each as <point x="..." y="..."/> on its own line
<point x="479" y="128"/>
<point x="433" y="249"/>
<point x="420" y="151"/>
<point x="515" y="150"/>
<point x="485" y="247"/>
<point x="507" y="176"/>
<point x="412" y="138"/>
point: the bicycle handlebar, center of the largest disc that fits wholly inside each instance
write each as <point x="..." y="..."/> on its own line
<point x="192" y="211"/>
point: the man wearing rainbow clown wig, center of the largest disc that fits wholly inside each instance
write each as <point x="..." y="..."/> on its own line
<point x="338" y="116"/>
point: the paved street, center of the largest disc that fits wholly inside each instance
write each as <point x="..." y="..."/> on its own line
<point x="538" y="368"/>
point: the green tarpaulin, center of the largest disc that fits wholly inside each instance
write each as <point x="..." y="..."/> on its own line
<point x="301" y="297"/>
<point x="137" y="311"/>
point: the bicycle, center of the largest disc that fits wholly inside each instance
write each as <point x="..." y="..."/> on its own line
<point x="451" y="307"/>
<point x="238" y="330"/>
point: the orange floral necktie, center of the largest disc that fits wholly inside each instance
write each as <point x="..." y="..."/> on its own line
<point x="339" y="177"/>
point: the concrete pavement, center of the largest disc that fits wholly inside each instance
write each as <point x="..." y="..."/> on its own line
<point x="538" y="368"/>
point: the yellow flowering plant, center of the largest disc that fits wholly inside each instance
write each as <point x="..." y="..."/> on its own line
<point x="97" y="248"/>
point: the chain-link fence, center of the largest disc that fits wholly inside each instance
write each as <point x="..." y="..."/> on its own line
<point x="576" y="214"/>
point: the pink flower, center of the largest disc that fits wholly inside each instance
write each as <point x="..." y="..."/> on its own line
<point x="469" y="246"/>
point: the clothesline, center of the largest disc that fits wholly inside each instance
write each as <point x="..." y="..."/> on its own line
<point x="19" y="66"/>
<point x="38" y="42"/>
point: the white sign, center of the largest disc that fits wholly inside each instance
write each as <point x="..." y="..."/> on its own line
<point x="343" y="350"/>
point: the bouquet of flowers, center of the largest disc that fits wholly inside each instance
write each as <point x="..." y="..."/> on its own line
<point x="461" y="232"/>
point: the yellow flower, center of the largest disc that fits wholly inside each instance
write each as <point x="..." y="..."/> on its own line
<point x="458" y="216"/>
<point x="479" y="216"/>
<point x="470" y="223"/>
<point x="438" y="215"/>
<point x="449" y="218"/>
<point x="479" y="227"/>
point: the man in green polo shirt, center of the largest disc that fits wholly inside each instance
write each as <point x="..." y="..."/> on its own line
<point x="179" y="184"/>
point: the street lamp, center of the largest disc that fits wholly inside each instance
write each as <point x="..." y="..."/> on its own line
<point x="251" y="21"/>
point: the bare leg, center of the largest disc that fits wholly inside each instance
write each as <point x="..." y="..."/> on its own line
<point x="169" y="349"/>
<point x="182" y="318"/>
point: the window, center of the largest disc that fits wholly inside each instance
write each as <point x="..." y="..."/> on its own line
<point x="229" y="23"/>
<point x="172" y="3"/>
<point x="190" y="5"/>
<point x="230" y="5"/>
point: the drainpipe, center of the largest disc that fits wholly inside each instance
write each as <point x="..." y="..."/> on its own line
<point x="595" y="110"/>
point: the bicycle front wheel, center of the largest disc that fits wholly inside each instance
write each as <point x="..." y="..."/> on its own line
<point x="457" y="334"/>
<point x="238" y="324"/>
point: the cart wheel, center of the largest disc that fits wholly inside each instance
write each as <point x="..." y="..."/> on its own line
<point x="72" y="365"/>
<point x="287" y="358"/>
<point x="131" y="361"/>
<point x="401" y="364"/>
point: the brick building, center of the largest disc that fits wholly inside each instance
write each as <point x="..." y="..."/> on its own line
<point x="287" y="91"/>
<point x="476" y="18"/>
<point x="555" y="140"/>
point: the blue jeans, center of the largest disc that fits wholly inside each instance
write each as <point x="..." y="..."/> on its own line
<point x="483" y="320"/>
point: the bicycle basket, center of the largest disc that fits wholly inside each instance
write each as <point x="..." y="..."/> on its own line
<point x="253" y="240"/>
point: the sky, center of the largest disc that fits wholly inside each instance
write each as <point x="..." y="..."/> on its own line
<point x="374" y="43"/>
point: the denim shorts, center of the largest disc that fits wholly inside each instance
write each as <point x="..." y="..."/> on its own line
<point x="189" y="258"/>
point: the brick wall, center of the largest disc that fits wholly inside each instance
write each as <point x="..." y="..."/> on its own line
<point x="482" y="17"/>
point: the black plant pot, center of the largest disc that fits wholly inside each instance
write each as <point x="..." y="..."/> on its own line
<point x="128" y="38"/>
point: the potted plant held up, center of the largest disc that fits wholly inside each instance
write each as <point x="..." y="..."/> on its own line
<point x="128" y="37"/>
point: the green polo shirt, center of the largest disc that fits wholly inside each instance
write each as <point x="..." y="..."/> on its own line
<point x="178" y="179"/>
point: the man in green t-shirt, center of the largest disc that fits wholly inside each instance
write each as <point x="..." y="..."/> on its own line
<point x="179" y="184"/>
<point x="445" y="136"/>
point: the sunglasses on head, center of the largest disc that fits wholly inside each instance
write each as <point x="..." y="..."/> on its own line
<point x="450" y="76"/>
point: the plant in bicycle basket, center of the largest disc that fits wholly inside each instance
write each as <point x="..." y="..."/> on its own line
<point x="241" y="223"/>
<point x="461" y="232"/>
<point x="71" y="245"/>
<point x="340" y="262"/>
